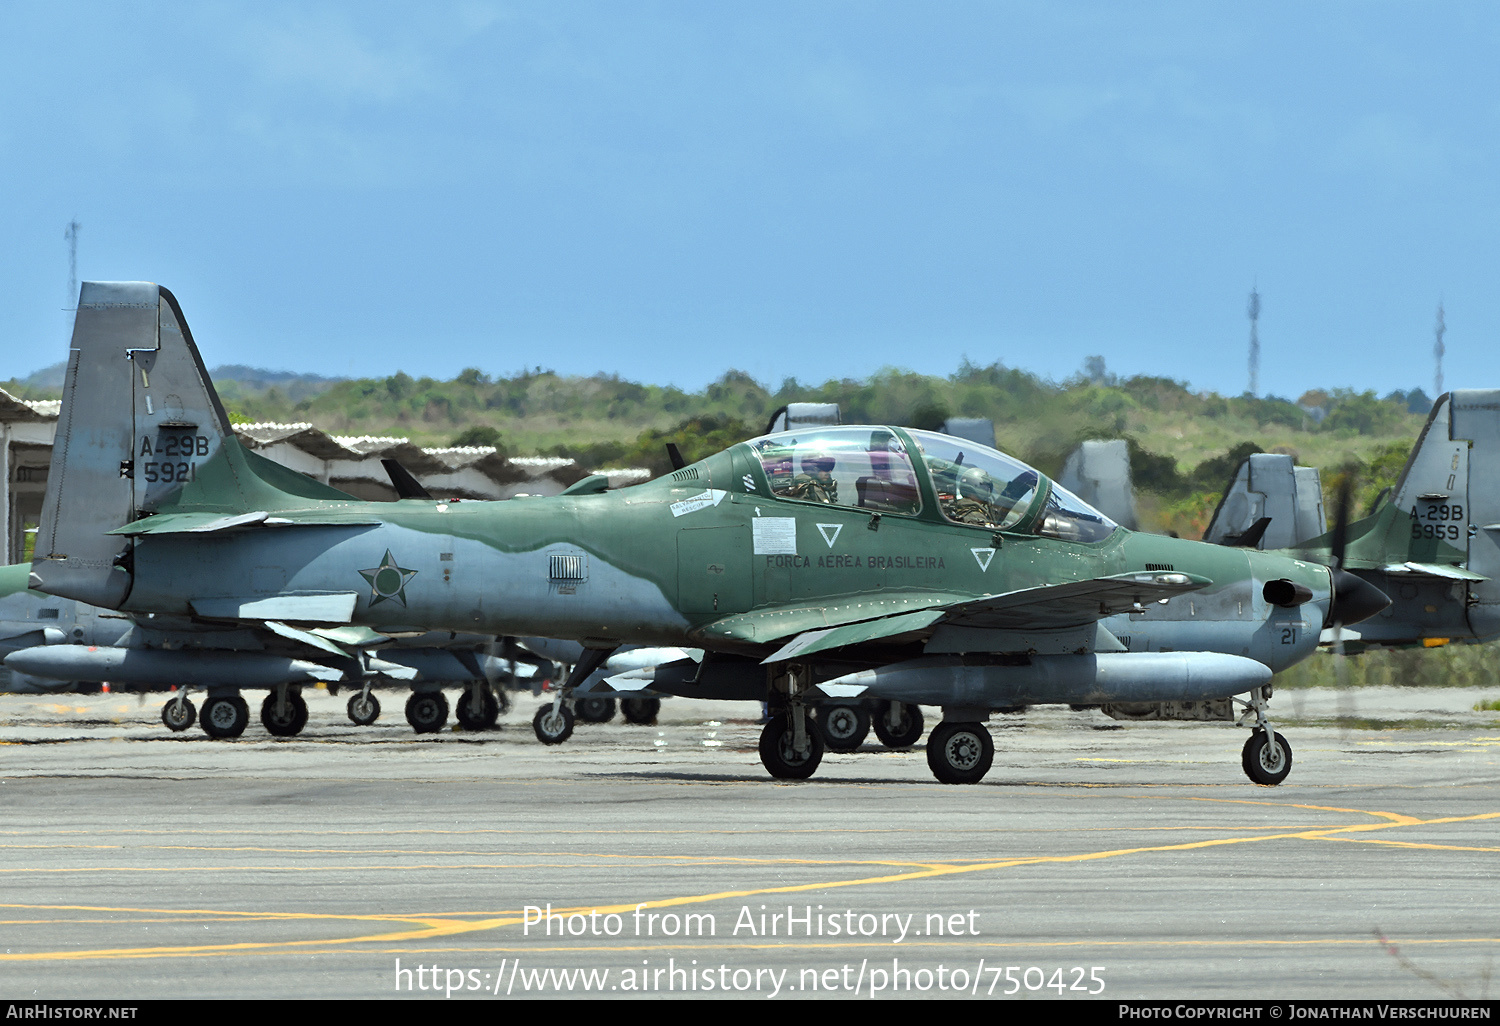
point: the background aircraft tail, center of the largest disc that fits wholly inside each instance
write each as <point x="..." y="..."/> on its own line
<point x="1270" y="485"/>
<point x="141" y="431"/>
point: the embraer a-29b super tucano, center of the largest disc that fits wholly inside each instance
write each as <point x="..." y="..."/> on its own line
<point x="836" y="562"/>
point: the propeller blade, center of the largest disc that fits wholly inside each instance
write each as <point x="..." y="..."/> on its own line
<point x="1340" y="538"/>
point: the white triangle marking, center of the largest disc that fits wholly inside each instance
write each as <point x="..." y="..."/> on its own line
<point x="983" y="557"/>
<point x="823" y="529"/>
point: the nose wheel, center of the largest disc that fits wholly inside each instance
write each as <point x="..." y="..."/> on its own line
<point x="1267" y="756"/>
<point x="1266" y="762"/>
<point x="553" y="723"/>
<point x="363" y="709"/>
<point x="179" y="714"/>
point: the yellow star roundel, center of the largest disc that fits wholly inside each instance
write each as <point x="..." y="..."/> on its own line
<point x="387" y="581"/>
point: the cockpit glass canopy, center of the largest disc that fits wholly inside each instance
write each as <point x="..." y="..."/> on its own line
<point x="869" y="468"/>
<point x="978" y="486"/>
<point x="862" y="467"/>
<point x="975" y="484"/>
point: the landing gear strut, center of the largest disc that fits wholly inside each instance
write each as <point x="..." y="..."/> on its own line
<point x="1267" y="756"/>
<point x="780" y="751"/>
<point x="897" y="724"/>
<point x="284" y="712"/>
<point x="478" y="708"/>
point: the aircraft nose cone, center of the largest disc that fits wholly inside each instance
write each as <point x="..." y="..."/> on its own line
<point x="1354" y="599"/>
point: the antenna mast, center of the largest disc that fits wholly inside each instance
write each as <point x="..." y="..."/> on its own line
<point x="71" y="237"/>
<point x="1254" y="311"/>
<point x="1438" y="331"/>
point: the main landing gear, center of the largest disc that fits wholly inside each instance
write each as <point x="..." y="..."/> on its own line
<point x="224" y="716"/>
<point x="284" y="712"/>
<point x="960" y="752"/>
<point x="897" y="724"/>
<point x="790" y="745"/>
<point x="1267" y="756"/>
<point x="844" y="727"/>
<point x="478" y="708"/>
<point x="427" y="711"/>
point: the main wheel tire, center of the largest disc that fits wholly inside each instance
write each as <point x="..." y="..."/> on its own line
<point x="427" y="711"/>
<point x="908" y="729"/>
<point x="960" y="753"/>
<point x="553" y="727"/>
<point x="177" y="717"/>
<point x="844" y="727"/>
<point x="641" y="711"/>
<point x="224" y="716"/>
<point x="482" y="719"/>
<point x="1266" y="764"/>
<point x="293" y="718"/>
<point x="363" y="709"/>
<point x="777" y="755"/>
<point x="596" y="710"/>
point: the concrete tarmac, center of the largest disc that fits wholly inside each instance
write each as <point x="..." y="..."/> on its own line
<point x="1098" y="858"/>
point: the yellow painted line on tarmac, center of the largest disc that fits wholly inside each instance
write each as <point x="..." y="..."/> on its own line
<point x="429" y="928"/>
<point x="1394" y="817"/>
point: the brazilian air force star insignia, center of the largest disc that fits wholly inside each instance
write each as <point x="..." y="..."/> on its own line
<point x="387" y="581"/>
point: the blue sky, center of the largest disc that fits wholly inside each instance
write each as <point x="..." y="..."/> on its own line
<point x="819" y="189"/>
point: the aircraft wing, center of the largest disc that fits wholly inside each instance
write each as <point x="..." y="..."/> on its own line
<point x="1072" y="604"/>
<point x="1048" y="607"/>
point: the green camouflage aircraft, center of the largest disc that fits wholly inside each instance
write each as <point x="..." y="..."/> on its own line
<point x="1432" y="542"/>
<point x="840" y="562"/>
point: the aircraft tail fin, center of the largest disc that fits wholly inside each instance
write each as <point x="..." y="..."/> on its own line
<point x="141" y="431"/>
<point x="1269" y="486"/>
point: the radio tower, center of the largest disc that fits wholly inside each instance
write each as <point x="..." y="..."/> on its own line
<point x="71" y="237"/>
<point x="1438" y="331"/>
<point x="1254" y="341"/>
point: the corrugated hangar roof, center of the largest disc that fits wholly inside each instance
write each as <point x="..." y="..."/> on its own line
<point x="318" y="444"/>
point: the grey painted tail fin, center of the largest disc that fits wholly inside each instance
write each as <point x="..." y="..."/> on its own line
<point x="132" y="371"/>
<point x="1269" y="484"/>
<point x="1098" y="472"/>
<point x="141" y="430"/>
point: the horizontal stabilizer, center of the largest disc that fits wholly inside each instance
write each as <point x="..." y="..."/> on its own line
<point x="208" y="523"/>
<point x="1442" y="570"/>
